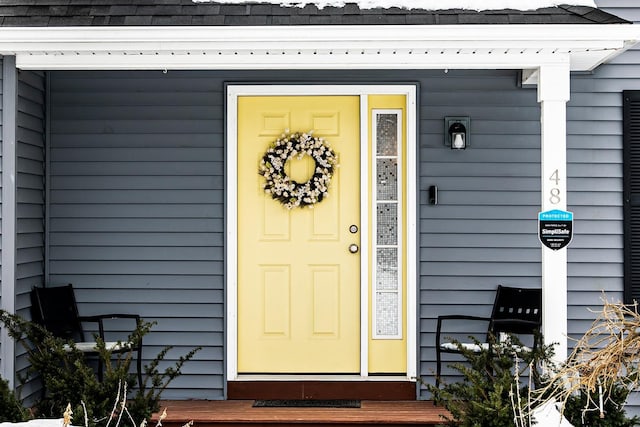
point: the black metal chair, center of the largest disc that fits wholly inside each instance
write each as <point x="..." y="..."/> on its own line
<point x="56" y="310"/>
<point x="515" y="311"/>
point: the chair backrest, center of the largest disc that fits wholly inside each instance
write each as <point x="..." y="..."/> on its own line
<point x="516" y="310"/>
<point x="55" y="309"/>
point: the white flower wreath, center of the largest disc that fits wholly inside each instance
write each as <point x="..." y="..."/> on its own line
<point x="286" y="190"/>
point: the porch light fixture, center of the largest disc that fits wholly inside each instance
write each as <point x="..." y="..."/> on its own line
<point x="457" y="132"/>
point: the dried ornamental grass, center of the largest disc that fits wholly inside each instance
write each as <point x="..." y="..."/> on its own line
<point x="607" y="356"/>
<point x="67" y="416"/>
<point x="119" y="410"/>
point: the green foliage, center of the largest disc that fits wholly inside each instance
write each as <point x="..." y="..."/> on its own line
<point x="146" y="401"/>
<point x="68" y="375"/>
<point x="614" y="413"/>
<point x="11" y="409"/>
<point x="489" y="384"/>
<point x="483" y="398"/>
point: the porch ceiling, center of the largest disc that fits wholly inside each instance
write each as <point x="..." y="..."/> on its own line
<point x="583" y="47"/>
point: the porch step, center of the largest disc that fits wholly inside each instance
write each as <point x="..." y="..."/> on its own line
<point x="241" y="413"/>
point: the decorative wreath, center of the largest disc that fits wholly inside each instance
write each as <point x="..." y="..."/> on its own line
<point x="286" y="190"/>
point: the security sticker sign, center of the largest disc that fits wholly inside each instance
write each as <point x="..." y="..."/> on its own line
<point x="556" y="228"/>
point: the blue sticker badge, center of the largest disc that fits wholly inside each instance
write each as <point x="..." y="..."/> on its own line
<point x="555" y="228"/>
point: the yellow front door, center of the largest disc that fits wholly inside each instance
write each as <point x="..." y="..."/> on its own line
<point x="298" y="282"/>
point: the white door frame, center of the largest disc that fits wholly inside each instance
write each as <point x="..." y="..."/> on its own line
<point x="232" y="94"/>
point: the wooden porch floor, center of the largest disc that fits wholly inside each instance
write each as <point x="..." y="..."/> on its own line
<point x="241" y="413"/>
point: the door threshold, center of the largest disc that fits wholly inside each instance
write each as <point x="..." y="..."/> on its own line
<point x="320" y="377"/>
<point x="321" y="387"/>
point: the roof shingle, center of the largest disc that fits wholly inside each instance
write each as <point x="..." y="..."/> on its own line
<point x="44" y="13"/>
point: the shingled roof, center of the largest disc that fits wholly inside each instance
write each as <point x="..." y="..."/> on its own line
<point x="57" y="13"/>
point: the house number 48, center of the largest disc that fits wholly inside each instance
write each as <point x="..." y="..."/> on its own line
<point x="554" y="193"/>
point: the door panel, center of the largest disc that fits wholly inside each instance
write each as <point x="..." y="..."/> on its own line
<point x="298" y="284"/>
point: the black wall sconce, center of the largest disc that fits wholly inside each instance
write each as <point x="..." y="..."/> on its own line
<point x="456" y="132"/>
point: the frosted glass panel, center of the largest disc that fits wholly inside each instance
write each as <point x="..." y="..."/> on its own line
<point x="387" y="177"/>
<point x="387" y="134"/>
<point x="387" y="224"/>
<point x="385" y="181"/>
<point x="387" y="319"/>
<point x="387" y="269"/>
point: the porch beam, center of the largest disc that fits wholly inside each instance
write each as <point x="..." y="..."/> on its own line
<point x="348" y="46"/>
<point x="279" y="59"/>
<point x="553" y="94"/>
<point x="8" y="238"/>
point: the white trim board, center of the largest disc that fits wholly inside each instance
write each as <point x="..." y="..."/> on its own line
<point x="553" y="95"/>
<point x="306" y="47"/>
<point x="233" y="92"/>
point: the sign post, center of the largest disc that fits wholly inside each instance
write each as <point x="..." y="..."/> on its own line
<point x="553" y="94"/>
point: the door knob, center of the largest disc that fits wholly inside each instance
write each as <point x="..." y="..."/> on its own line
<point x="353" y="248"/>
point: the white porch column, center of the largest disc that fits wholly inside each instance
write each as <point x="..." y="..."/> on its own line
<point x="8" y="289"/>
<point x="553" y="94"/>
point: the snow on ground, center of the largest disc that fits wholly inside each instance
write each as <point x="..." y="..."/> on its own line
<point x="36" y="423"/>
<point x="421" y="4"/>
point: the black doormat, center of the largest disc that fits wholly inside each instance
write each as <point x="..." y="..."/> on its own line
<point x="306" y="403"/>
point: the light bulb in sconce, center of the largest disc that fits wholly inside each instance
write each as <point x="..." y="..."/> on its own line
<point x="458" y="141"/>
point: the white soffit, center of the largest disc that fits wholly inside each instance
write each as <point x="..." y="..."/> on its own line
<point x="316" y="47"/>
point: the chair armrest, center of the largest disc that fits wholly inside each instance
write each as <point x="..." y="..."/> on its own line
<point x="462" y="317"/>
<point x="100" y="318"/>
<point x="441" y="320"/>
<point x="516" y="321"/>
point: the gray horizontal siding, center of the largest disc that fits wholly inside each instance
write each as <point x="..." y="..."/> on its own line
<point x="136" y="209"/>
<point x="595" y="111"/>
<point x="137" y="191"/>
<point x="483" y="231"/>
<point x="30" y="200"/>
<point x="1" y="145"/>
<point x="596" y="106"/>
